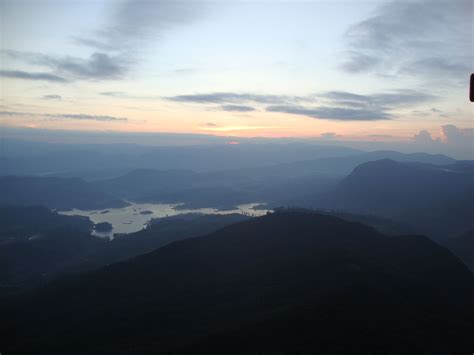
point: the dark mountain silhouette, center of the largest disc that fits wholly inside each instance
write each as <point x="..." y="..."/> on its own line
<point x="37" y="245"/>
<point x="160" y="232"/>
<point x="463" y="247"/>
<point x="436" y="199"/>
<point x="22" y="223"/>
<point x="342" y="165"/>
<point x="289" y="282"/>
<point x="55" y="193"/>
<point x="384" y="225"/>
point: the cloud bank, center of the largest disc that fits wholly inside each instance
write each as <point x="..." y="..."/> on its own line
<point x="332" y="105"/>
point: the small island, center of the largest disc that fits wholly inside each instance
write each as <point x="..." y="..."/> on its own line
<point x="146" y="212"/>
<point x="103" y="227"/>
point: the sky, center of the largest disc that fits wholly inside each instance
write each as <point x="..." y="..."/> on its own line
<point x="385" y="71"/>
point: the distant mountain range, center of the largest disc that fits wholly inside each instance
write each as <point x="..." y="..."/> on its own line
<point x="289" y="282"/>
<point x="99" y="161"/>
<point x="291" y="183"/>
<point x="432" y="193"/>
<point x="55" y="193"/>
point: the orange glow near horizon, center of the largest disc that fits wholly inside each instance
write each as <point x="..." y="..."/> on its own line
<point x="179" y="119"/>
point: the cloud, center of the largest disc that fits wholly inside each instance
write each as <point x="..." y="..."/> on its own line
<point x="396" y="99"/>
<point x="236" y="98"/>
<point x="454" y="141"/>
<point x="430" y="112"/>
<point x="455" y="135"/>
<point x="125" y="95"/>
<point x="237" y="108"/>
<point x="429" y="39"/>
<point x="437" y="67"/>
<point x="79" y="116"/>
<point x="52" y="97"/>
<point x="90" y="42"/>
<point x="332" y="113"/>
<point x="424" y="137"/>
<point x="130" y="25"/>
<point x="114" y="93"/>
<point x="132" y="22"/>
<point x="11" y="113"/>
<point x="328" y="135"/>
<point x="334" y="105"/>
<point x="19" y="74"/>
<point x="99" y="66"/>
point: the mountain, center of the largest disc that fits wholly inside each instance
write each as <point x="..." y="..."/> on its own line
<point x="194" y="190"/>
<point x="288" y="282"/>
<point x="221" y="189"/>
<point x="343" y="165"/>
<point x="55" y="193"/>
<point x="463" y="247"/>
<point x="292" y="183"/>
<point x="22" y="223"/>
<point x="438" y="200"/>
<point x="38" y="245"/>
<point x="103" y="161"/>
<point x="160" y="232"/>
<point x="138" y="184"/>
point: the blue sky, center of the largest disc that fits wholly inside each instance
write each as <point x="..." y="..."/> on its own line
<point x="345" y="70"/>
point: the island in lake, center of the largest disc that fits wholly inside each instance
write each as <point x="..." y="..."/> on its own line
<point x="146" y="212"/>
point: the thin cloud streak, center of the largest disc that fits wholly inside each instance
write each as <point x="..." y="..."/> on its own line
<point x="332" y="113"/>
<point x="99" y="66"/>
<point x="37" y="76"/>
<point x="68" y="116"/>
<point x="52" y="97"/>
<point x="237" y="98"/>
<point x="237" y="108"/>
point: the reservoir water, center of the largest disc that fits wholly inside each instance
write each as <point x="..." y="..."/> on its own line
<point x="136" y="216"/>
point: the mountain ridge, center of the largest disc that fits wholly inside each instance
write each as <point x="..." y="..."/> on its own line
<point x="282" y="270"/>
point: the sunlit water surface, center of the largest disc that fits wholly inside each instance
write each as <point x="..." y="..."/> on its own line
<point x="135" y="217"/>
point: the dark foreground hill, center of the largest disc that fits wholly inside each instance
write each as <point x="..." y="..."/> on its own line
<point x="285" y="283"/>
<point x="463" y="247"/>
<point x="38" y="245"/>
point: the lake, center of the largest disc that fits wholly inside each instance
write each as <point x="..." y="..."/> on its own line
<point x="135" y="217"/>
